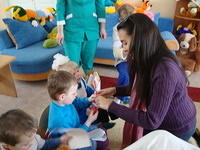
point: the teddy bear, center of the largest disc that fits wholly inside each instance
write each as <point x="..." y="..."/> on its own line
<point x="189" y="53"/>
<point x="145" y="6"/>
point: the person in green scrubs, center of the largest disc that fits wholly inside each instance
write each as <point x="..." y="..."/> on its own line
<point x="80" y="24"/>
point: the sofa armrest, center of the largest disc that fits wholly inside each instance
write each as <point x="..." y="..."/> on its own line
<point x="5" y="40"/>
<point x="165" y="24"/>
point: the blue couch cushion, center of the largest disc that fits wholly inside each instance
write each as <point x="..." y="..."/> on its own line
<point x="165" y="24"/>
<point x="104" y="49"/>
<point x="32" y="59"/>
<point x="156" y="18"/>
<point x="111" y="21"/>
<point x="5" y="41"/>
<point x="23" y="33"/>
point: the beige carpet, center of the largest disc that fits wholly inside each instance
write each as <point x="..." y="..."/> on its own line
<point x="33" y="98"/>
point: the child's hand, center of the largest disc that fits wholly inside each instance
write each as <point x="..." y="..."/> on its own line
<point x="65" y="139"/>
<point x="91" y="118"/>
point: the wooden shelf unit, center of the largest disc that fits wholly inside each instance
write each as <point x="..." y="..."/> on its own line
<point x="185" y="21"/>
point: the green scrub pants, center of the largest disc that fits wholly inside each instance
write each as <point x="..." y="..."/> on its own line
<point x="81" y="52"/>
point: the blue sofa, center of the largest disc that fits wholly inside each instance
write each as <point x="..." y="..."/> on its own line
<point x="33" y="62"/>
<point x="104" y="53"/>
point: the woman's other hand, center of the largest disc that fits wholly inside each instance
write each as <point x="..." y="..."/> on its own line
<point x="103" y="34"/>
<point x="60" y="38"/>
<point x="60" y="35"/>
<point x="107" y="92"/>
<point x="103" y="102"/>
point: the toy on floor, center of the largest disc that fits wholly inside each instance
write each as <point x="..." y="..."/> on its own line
<point x="51" y="42"/>
<point x="189" y="53"/>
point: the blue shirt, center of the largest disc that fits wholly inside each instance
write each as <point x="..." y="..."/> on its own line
<point x="67" y="116"/>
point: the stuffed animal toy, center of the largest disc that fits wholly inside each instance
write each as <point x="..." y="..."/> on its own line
<point x="189" y="29"/>
<point x="22" y="14"/>
<point x="145" y="6"/>
<point x="192" y="10"/>
<point x="45" y="14"/>
<point x="111" y="6"/>
<point x="51" y="42"/>
<point x="189" y="54"/>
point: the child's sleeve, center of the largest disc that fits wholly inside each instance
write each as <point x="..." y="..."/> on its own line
<point x="89" y="91"/>
<point x="60" y="11"/>
<point x="46" y="144"/>
<point x="81" y="103"/>
<point x="100" y="10"/>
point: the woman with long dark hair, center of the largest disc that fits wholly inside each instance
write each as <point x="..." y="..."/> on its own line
<point x="159" y="98"/>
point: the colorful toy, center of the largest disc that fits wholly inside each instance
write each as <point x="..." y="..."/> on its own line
<point x="189" y="29"/>
<point x="189" y="54"/>
<point x="111" y="6"/>
<point x="192" y="10"/>
<point x="50" y="42"/>
<point x="145" y="6"/>
<point x="22" y="14"/>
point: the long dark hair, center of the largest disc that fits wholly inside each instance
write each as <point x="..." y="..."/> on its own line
<point x="147" y="49"/>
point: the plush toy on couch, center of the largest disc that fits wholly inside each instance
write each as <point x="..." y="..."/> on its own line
<point x="189" y="54"/>
<point x="22" y="14"/>
<point x="50" y="42"/>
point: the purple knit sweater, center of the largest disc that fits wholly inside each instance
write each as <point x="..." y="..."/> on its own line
<point x="170" y="106"/>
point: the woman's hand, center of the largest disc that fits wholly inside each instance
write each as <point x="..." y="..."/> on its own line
<point x="103" y="34"/>
<point x="60" y="35"/>
<point x="103" y="30"/>
<point x="60" y="38"/>
<point x="107" y="92"/>
<point x="103" y="102"/>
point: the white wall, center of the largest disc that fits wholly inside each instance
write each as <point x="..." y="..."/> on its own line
<point x="165" y="7"/>
<point x="33" y="4"/>
<point x="3" y="4"/>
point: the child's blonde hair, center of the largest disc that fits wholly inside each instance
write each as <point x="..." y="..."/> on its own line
<point x="70" y="67"/>
<point x="14" y="124"/>
<point x="59" y="82"/>
<point x="125" y="11"/>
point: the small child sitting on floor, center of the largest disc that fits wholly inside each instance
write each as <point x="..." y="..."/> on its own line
<point x="84" y="90"/>
<point x="18" y="132"/>
<point x="64" y="108"/>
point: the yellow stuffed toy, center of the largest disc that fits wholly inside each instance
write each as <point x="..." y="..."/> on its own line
<point x="51" y="41"/>
<point x="22" y="14"/>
